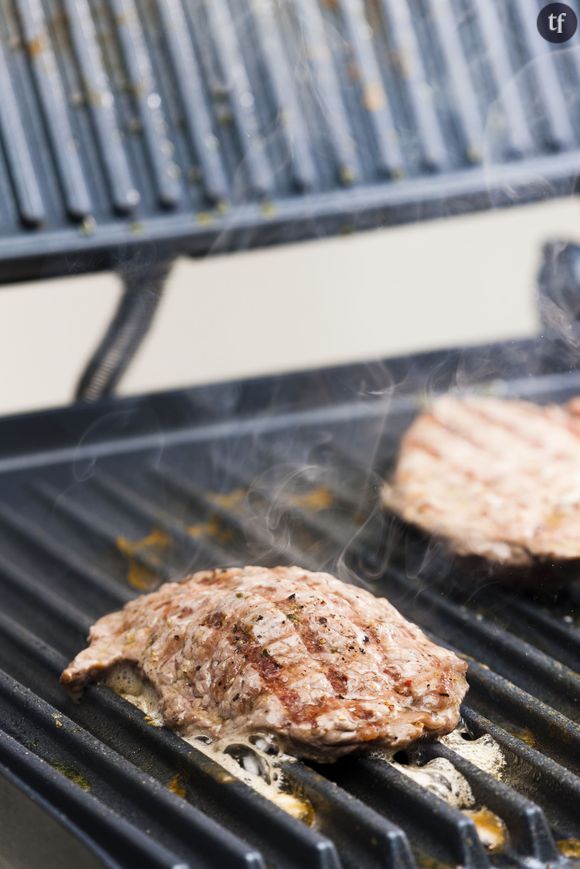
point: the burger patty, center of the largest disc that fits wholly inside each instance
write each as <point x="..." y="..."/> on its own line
<point x="498" y="479"/>
<point x="324" y="666"/>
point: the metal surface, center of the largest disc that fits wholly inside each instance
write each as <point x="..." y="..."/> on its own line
<point x="99" y="503"/>
<point x="197" y="126"/>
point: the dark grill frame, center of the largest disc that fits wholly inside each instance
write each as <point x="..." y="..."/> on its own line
<point x="77" y="478"/>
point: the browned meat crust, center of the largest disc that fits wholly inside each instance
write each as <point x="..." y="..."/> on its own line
<point x="326" y="667"/>
<point x="497" y="479"/>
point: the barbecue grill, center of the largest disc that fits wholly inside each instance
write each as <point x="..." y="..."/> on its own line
<point x="133" y="132"/>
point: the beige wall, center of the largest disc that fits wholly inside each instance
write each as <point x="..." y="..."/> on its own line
<point x="461" y="280"/>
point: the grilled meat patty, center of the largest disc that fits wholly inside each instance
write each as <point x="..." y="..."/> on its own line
<point x="324" y="666"/>
<point x="498" y="479"/>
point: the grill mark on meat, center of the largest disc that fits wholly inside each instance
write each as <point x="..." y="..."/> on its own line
<point x="467" y="472"/>
<point x="523" y="504"/>
<point x="264" y="663"/>
<point x="445" y="453"/>
<point x="269" y="670"/>
<point x="436" y="452"/>
<point x="518" y="435"/>
<point x="493" y="413"/>
<point x="547" y="420"/>
<point x="338" y="680"/>
<point x="312" y="643"/>
<point x="224" y="658"/>
<point x="214" y="620"/>
<point x="475" y="474"/>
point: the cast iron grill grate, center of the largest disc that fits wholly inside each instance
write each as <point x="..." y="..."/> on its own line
<point x="132" y="493"/>
<point x="208" y="125"/>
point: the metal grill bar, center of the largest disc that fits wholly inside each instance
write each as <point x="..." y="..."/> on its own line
<point x="547" y="778"/>
<point x="281" y="79"/>
<point x="28" y="593"/>
<point x="443" y="20"/>
<point x="112" y="775"/>
<point x="240" y="96"/>
<point x="248" y="531"/>
<point x="559" y="736"/>
<point x="148" y="100"/>
<point x="101" y="528"/>
<point x="125" y="842"/>
<point x="50" y="550"/>
<point x="546" y="77"/>
<point x="529" y="831"/>
<point x="399" y="23"/>
<point x="20" y="160"/>
<point x="54" y="106"/>
<point x="518" y="131"/>
<point x="200" y="546"/>
<point x="191" y="91"/>
<point x="431" y="823"/>
<point x="99" y="94"/>
<point x="319" y="59"/>
<point x="375" y="100"/>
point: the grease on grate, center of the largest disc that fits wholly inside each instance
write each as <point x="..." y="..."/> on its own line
<point x="483" y="752"/>
<point x="255" y="760"/>
<point x="440" y="777"/>
<point x="490" y="828"/>
<point x="155" y="546"/>
<point x="569" y="847"/>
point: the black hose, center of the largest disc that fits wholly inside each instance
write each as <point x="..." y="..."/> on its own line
<point x="143" y="287"/>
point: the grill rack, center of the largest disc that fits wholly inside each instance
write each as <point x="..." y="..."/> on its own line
<point x="132" y="467"/>
<point x="187" y="126"/>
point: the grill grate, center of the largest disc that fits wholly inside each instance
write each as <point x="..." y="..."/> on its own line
<point x="200" y="126"/>
<point x="127" y="494"/>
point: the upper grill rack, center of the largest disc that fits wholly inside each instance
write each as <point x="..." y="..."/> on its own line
<point x="91" y="526"/>
<point x="212" y="124"/>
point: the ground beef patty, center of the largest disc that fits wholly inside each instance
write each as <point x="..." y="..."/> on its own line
<point x="326" y="667"/>
<point x="498" y="479"/>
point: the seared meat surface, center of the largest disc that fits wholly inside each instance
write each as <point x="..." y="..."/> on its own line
<point x="326" y="667"/>
<point x="498" y="479"/>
